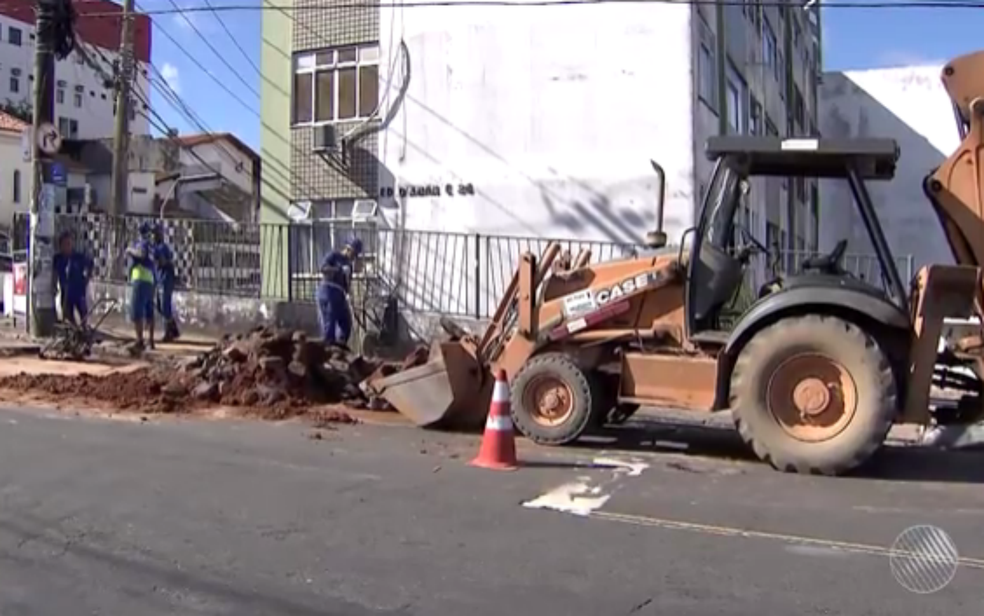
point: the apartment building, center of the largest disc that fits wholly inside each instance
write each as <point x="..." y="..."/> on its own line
<point x="84" y="106"/>
<point x="531" y="120"/>
<point x="757" y="72"/>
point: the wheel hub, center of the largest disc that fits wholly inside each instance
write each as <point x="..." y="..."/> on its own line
<point x="550" y="400"/>
<point x="812" y="397"/>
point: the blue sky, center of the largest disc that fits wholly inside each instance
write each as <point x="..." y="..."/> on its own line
<point x="854" y="38"/>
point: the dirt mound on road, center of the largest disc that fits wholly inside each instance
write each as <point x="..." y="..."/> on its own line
<point x="140" y="390"/>
<point x="273" y="374"/>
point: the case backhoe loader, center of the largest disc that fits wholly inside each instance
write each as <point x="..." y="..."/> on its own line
<point x="815" y="372"/>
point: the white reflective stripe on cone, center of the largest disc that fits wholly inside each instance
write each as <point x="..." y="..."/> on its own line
<point x="501" y="392"/>
<point x="501" y="423"/>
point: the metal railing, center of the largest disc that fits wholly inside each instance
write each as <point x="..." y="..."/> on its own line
<point x="456" y="274"/>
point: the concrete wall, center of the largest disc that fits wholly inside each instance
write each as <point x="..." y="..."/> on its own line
<point x="910" y="106"/>
<point x="225" y="159"/>
<point x="553" y="126"/>
<point x="12" y="159"/>
<point x="218" y="314"/>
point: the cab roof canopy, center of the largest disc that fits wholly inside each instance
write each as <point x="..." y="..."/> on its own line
<point x="872" y="159"/>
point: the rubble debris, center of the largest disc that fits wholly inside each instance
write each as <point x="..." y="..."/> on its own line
<point x="274" y="374"/>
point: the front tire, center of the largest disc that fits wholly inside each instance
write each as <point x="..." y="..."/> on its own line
<point x="813" y="395"/>
<point x="552" y="400"/>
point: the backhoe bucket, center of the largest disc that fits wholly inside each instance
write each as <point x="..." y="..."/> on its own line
<point x="452" y="390"/>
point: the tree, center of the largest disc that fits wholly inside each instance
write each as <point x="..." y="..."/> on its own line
<point x="20" y="109"/>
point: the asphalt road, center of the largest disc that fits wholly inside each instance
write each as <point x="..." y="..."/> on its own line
<point x="213" y="517"/>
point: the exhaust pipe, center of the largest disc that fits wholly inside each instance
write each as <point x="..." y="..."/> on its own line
<point x="657" y="238"/>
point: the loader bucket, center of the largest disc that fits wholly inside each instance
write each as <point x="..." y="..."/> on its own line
<point x="452" y="390"/>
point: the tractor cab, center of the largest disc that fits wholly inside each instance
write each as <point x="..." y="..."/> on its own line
<point x="722" y="247"/>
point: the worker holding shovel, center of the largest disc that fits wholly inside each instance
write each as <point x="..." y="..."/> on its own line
<point x="334" y="313"/>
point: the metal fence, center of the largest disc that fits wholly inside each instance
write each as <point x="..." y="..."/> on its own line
<point x="426" y="271"/>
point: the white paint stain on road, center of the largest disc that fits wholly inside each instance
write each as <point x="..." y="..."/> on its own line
<point x="587" y="494"/>
<point x="576" y="497"/>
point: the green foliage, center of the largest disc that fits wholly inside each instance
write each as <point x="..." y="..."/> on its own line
<point x="20" y="109"/>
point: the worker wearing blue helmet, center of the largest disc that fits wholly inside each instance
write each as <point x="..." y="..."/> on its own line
<point x="334" y="312"/>
<point x="141" y="257"/>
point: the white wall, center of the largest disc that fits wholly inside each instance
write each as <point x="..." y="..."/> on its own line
<point x="11" y="158"/>
<point x="95" y="116"/>
<point x="551" y="113"/>
<point x="910" y="106"/>
<point x="222" y="157"/>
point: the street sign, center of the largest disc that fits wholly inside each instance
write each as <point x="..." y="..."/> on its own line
<point x="58" y="175"/>
<point x="49" y="139"/>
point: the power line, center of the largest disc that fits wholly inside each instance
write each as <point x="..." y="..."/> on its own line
<point x="214" y="50"/>
<point x="235" y="42"/>
<point x="870" y="4"/>
<point x="202" y="68"/>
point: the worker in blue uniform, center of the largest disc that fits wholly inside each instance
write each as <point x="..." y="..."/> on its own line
<point x="141" y="255"/>
<point x="334" y="312"/>
<point x="73" y="270"/>
<point x="164" y="264"/>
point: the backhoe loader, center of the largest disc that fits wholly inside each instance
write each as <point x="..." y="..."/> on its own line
<point x="815" y="372"/>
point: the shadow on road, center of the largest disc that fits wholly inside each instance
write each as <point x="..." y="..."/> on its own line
<point x="892" y="463"/>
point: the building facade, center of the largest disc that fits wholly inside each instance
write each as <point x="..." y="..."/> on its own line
<point x="909" y="105"/>
<point x="534" y="121"/>
<point x="84" y="106"/>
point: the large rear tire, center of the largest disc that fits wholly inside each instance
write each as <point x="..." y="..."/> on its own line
<point x="813" y="395"/>
<point x="552" y="400"/>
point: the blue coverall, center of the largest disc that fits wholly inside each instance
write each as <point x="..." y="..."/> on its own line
<point x="73" y="271"/>
<point x="141" y="281"/>
<point x="333" y="308"/>
<point x="164" y="259"/>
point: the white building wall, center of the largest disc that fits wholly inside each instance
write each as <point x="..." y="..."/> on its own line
<point x="95" y="116"/>
<point x="12" y="159"/>
<point x="223" y="158"/>
<point x="552" y="114"/>
<point x="910" y="106"/>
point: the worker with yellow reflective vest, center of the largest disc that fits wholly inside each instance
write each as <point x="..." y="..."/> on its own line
<point x="141" y="255"/>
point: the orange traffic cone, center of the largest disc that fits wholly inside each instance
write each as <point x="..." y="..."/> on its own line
<point x="498" y="451"/>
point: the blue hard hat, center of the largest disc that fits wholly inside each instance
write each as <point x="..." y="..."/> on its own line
<point x="145" y="228"/>
<point x="355" y="244"/>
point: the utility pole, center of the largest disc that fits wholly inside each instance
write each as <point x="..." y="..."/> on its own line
<point x="45" y="142"/>
<point x="121" y="133"/>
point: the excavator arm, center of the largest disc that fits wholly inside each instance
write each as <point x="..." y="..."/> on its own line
<point x="956" y="187"/>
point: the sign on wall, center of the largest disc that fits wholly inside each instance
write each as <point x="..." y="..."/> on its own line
<point x="428" y="190"/>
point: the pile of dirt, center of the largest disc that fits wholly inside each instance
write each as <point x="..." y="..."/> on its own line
<point x="271" y="373"/>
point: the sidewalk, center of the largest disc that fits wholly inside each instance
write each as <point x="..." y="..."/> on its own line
<point x="113" y="337"/>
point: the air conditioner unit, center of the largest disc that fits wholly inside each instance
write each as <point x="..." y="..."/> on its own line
<point x="364" y="209"/>
<point x="299" y="211"/>
<point x="325" y="138"/>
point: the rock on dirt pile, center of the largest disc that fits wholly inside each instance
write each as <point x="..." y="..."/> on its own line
<point x="275" y="373"/>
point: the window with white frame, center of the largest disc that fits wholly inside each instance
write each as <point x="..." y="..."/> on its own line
<point x="77" y="97"/>
<point x="707" y="65"/>
<point x="15" y="74"/>
<point x="68" y="127"/>
<point x="323" y="227"/>
<point x="60" y="92"/>
<point x="735" y="100"/>
<point x="334" y="85"/>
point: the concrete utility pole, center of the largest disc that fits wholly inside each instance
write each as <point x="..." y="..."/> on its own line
<point x="45" y="142"/>
<point x="121" y="133"/>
